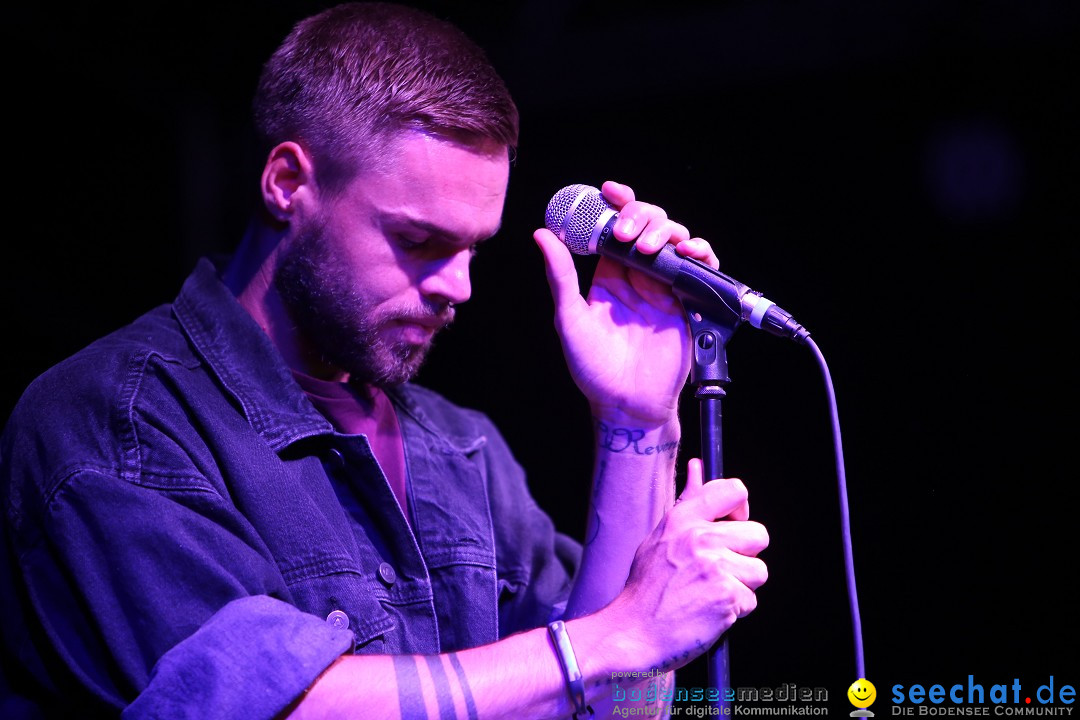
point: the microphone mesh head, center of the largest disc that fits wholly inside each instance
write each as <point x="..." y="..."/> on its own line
<point x="573" y="213"/>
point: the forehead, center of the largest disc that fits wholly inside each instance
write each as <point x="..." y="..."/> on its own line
<point x="456" y="185"/>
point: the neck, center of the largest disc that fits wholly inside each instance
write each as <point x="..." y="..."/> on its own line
<point x="250" y="276"/>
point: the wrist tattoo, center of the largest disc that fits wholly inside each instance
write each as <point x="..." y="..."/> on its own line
<point x="663" y="690"/>
<point x="410" y="696"/>
<point x="593" y="524"/>
<point x="442" y="687"/>
<point x="470" y="705"/>
<point x="623" y="439"/>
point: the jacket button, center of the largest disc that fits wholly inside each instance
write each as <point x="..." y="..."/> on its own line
<point x="386" y="572"/>
<point x="337" y="460"/>
<point x="338" y="619"/>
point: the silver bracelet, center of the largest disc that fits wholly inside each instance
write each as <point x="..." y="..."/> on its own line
<point x="575" y="683"/>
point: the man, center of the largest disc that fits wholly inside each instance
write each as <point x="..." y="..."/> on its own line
<point x="248" y="511"/>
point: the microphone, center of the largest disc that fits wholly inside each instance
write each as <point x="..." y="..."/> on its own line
<point x="583" y="220"/>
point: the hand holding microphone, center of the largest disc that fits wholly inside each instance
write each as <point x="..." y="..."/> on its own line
<point x="627" y="345"/>
<point x="585" y="222"/>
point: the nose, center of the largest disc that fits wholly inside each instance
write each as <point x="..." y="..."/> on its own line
<point x="447" y="278"/>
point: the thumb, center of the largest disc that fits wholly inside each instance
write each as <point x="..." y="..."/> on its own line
<point x="693" y="479"/>
<point x="561" y="274"/>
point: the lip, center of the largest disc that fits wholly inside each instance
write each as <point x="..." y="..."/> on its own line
<point x="416" y="331"/>
<point x="429" y="324"/>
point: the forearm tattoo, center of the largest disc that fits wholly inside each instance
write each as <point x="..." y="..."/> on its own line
<point x="411" y="693"/>
<point x="632" y="440"/>
<point x="594" y="516"/>
<point x="410" y="696"/>
<point x="442" y="687"/>
<point x="470" y="706"/>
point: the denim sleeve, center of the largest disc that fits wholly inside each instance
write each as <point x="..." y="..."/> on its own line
<point x="251" y="659"/>
<point x="160" y="599"/>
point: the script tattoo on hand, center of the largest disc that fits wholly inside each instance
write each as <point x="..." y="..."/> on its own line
<point x="623" y="439"/>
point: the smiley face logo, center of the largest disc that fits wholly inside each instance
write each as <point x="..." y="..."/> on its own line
<point x="862" y="693"/>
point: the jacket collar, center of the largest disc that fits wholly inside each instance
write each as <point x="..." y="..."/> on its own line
<point x="244" y="359"/>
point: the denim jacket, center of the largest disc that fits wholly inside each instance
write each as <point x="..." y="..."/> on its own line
<point x="183" y="529"/>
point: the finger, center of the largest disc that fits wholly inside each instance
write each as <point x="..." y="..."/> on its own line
<point x="756" y="573"/>
<point x="744" y="538"/>
<point x="742" y="512"/>
<point x="649" y="223"/>
<point x="746" y="603"/>
<point x="719" y="498"/>
<point x="659" y="233"/>
<point x="617" y="194"/>
<point x="733" y="593"/>
<point x="693" y="480"/>
<point x="699" y="249"/>
<point x="634" y="217"/>
<point x="561" y="274"/>
<point x="750" y="571"/>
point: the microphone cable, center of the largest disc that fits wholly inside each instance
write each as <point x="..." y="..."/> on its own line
<point x="845" y="516"/>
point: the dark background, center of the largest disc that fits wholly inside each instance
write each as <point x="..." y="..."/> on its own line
<point x="899" y="175"/>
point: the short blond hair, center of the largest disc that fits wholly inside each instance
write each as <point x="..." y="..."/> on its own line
<point x="348" y="78"/>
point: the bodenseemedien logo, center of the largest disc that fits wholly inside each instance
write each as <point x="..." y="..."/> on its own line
<point x="862" y="694"/>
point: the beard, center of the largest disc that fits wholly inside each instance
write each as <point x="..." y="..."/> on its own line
<point x="340" y="323"/>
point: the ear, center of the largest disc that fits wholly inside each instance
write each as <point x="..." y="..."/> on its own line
<point x="287" y="176"/>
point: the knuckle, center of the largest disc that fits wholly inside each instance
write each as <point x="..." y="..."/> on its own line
<point x="748" y="605"/>
<point x="726" y="585"/>
<point x="701" y="541"/>
<point x="654" y="212"/>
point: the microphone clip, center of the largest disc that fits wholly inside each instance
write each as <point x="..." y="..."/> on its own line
<point x="709" y="337"/>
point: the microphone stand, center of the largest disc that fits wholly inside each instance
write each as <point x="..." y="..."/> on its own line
<point x="711" y="329"/>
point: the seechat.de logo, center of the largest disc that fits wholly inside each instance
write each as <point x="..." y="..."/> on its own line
<point x="974" y="698"/>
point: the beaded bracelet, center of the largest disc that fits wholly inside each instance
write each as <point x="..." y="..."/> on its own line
<point x="575" y="683"/>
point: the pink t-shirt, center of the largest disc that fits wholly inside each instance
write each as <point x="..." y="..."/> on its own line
<point x="363" y="412"/>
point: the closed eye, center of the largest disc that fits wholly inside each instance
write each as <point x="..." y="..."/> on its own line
<point x="410" y="241"/>
<point x="416" y="235"/>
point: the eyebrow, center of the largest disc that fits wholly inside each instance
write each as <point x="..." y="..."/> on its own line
<point x="435" y="229"/>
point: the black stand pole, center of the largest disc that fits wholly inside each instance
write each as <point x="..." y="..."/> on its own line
<point x="712" y="466"/>
<point x="709" y="373"/>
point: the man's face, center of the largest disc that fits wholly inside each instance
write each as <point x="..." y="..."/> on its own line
<point x="371" y="274"/>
